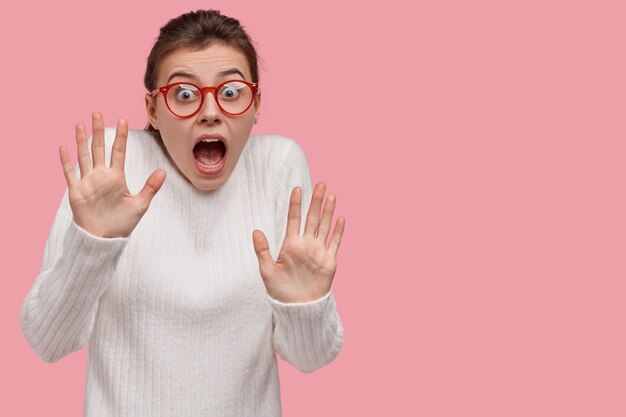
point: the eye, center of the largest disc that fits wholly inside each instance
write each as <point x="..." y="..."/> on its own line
<point x="185" y="92"/>
<point x="232" y="91"/>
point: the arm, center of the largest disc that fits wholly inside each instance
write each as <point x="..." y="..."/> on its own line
<point x="91" y="228"/>
<point x="307" y="335"/>
<point x="58" y="313"/>
<point x="308" y="332"/>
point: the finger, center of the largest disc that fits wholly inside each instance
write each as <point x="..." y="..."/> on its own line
<point x="152" y="186"/>
<point x="336" y="239"/>
<point x="313" y="216"/>
<point x="327" y="218"/>
<point x="82" y="150"/>
<point x="118" y="152"/>
<point x="261" y="248"/>
<point x="68" y="168"/>
<point x="97" y="141"/>
<point x="293" y="216"/>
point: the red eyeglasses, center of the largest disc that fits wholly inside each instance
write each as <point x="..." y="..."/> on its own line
<point x="183" y="99"/>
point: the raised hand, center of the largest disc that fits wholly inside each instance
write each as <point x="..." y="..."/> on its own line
<point x="306" y="264"/>
<point x="100" y="200"/>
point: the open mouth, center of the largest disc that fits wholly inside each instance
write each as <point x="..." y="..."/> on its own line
<point x="210" y="155"/>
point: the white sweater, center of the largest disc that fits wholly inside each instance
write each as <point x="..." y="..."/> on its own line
<point x="176" y="316"/>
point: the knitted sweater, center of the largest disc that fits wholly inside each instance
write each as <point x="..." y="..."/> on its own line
<point x="176" y="316"/>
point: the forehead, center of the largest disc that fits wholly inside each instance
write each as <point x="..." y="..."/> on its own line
<point x="205" y="63"/>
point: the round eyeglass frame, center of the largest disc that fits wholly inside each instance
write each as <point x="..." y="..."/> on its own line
<point x="253" y="86"/>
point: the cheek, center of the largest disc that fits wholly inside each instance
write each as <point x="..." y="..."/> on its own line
<point x="162" y="111"/>
<point x="172" y="134"/>
<point x="247" y="121"/>
<point x="243" y="133"/>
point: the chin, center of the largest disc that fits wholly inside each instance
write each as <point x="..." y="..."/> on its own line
<point x="208" y="184"/>
<point x="203" y="187"/>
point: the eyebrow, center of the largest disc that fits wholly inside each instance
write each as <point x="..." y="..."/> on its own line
<point x="220" y="74"/>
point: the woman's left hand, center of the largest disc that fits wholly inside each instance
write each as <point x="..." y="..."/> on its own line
<point x="306" y="264"/>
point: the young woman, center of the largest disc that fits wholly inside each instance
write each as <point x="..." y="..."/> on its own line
<point x="185" y="287"/>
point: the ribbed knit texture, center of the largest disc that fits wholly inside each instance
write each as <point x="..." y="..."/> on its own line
<point x="176" y="316"/>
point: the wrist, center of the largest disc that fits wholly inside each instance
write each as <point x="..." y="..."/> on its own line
<point x="100" y="234"/>
<point x="302" y="299"/>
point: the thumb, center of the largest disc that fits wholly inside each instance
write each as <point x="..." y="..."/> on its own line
<point x="261" y="247"/>
<point x="153" y="184"/>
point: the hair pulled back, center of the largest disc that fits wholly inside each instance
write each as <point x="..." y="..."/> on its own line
<point x="198" y="30"/>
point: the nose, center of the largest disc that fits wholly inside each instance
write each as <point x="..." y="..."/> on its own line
<point x="210" y="112"/>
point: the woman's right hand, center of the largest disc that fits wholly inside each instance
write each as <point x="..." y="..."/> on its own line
<point x="100" y="200"/>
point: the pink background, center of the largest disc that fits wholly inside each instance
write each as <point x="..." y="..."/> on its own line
<point x="477" y="152"/>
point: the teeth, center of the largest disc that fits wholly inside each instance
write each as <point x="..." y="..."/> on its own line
<point x="210" y="140"/>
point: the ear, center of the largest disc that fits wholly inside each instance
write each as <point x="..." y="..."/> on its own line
<point x="257" y="103"/>
<point x="151" y="110"/>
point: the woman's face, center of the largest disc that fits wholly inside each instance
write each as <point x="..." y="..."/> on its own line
<point x="206" y="165"/>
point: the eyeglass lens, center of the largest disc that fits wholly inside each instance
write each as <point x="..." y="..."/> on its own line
<point x="234" y="97"/>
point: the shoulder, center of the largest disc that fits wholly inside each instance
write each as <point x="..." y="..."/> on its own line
<point x="271" y="141"/>
<point x="275" y="158"/>
<point x="273" y="148"/>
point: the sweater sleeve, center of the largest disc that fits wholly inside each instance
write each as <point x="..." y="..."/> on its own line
<point x="307" y="335"/>
<point x="59" y="311"/>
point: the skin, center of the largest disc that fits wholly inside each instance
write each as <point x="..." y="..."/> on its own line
<point x="179" y="134"/>
<point x="306" y="264"/>
<point x="103" y="206"/>
<point x="100" y="200"/>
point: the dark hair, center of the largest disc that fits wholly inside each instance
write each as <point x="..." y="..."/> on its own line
<point x="197" y="30"/>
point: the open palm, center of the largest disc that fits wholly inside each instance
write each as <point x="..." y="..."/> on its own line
<point x="100" y="200"/>
<point x="306" y="264"/>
